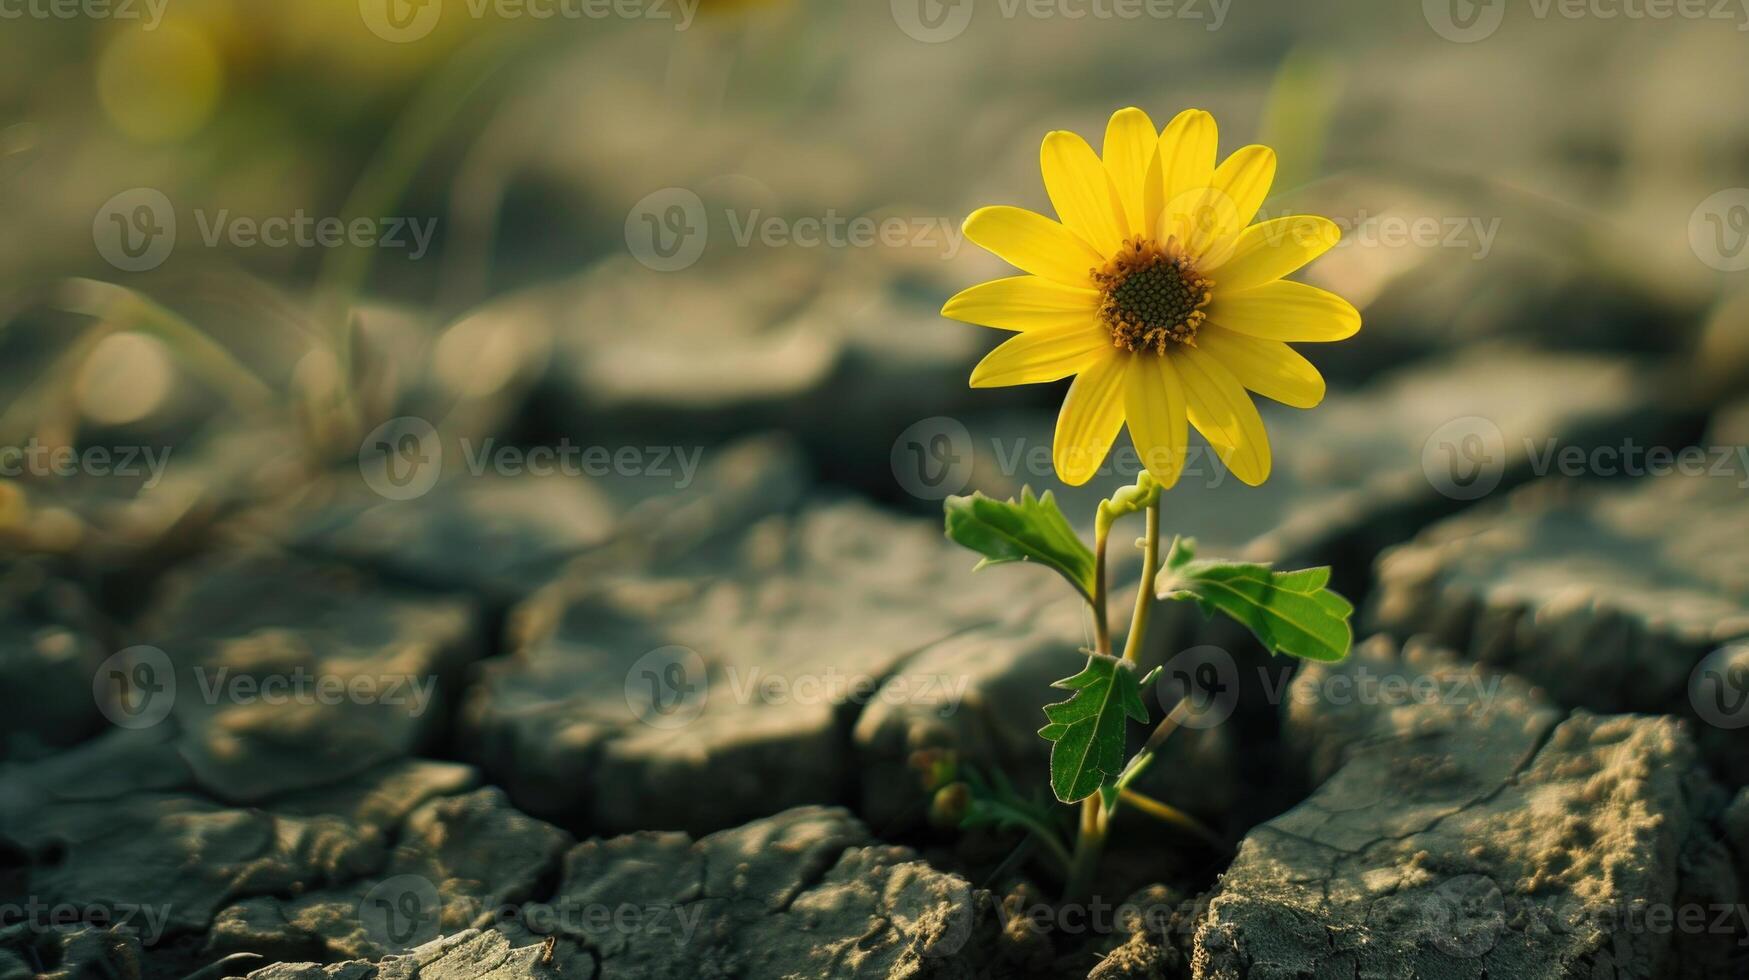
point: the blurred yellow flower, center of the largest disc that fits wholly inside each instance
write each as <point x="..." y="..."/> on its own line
<point x="1155" y="290"/>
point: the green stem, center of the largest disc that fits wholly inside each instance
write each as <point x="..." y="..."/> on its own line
<point x="1168" y="813"/>
<point x="1090" y="841"/>
<point x="1101" y="627"/>
<point x="1089" y="845"/>
<point x="1132" y="645"/>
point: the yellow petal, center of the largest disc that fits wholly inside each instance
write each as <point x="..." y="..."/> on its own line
<point x="1023" y="303"/>
<point x="1081" y="191"/>
<point x="1091" y="416"/>
<point x="1034" y="243"/>
<point x="1224" y="414"/>
<point x="1154" y="408"/>
<point x="1130" y="144"/>
<point x="1207" y="222"/>
<point x="1284" y="310"/>
<point x="1268" y="250"/>
<point x="1268" y="367"/>
<point x="1045" y="354"/>
<point x="1245" y="177"/>
<point x="1187" y="160"/>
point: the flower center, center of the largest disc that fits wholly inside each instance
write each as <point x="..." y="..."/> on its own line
<point x="1153" y="296"/>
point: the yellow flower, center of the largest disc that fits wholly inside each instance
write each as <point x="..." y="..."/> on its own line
<point x="1155" y="290"/>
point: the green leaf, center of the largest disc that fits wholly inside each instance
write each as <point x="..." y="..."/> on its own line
<point x="995" y="803"/>
<point x="1290" y="612"/>
<point x="1087" y="731"/>
<point x="1033" y="529"/>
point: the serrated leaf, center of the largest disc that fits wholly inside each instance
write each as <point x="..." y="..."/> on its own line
<point x="1087" y="731"/>
<point x="995" y="803"/>
<point x="1292" y="613"/>
<point x="1031" y="529"/>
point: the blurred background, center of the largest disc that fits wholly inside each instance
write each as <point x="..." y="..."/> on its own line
<point x="247" y="238"/>
<point x="531" y="301"/>
<point x="692" y="222"/>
